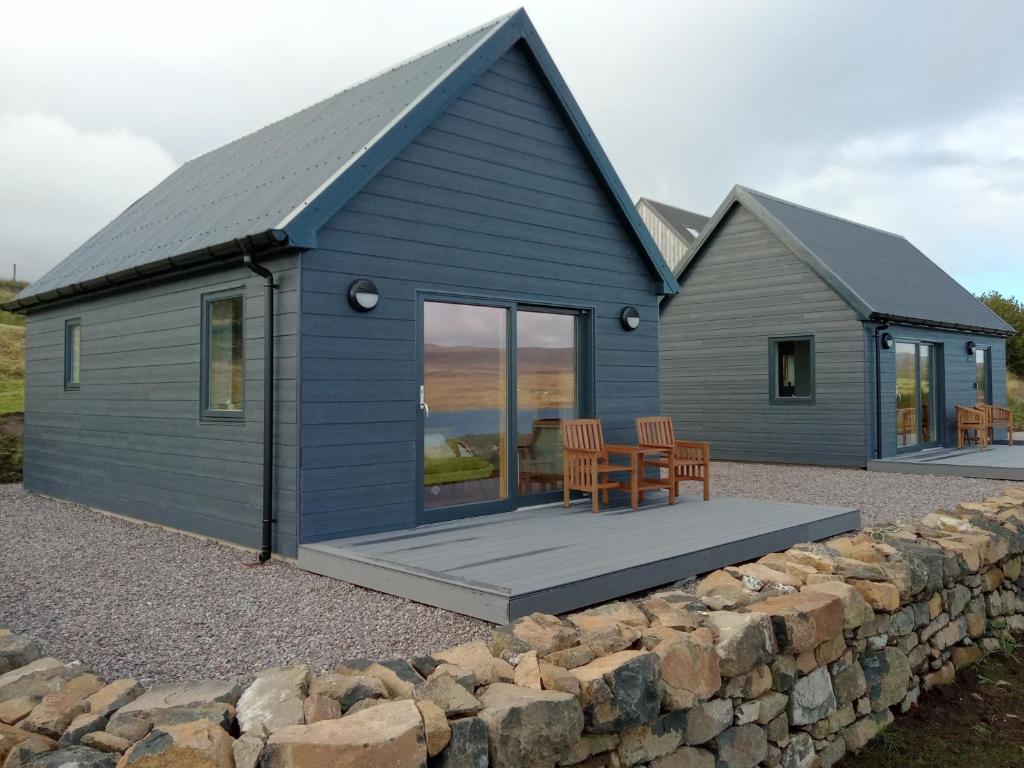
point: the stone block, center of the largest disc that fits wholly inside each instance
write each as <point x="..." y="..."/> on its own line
<point x="538" y="632"/>
<point x="389" y="735"/>
<point x="274" y="699"/>
<point x="526" y="727"/>
<point x="619" y="691"/>
<point x="812" y="698"/>
<point x="742" y="641"/>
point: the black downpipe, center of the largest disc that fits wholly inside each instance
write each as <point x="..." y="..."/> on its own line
<point x="878" y="389"/>
<point x="268" y="408"/>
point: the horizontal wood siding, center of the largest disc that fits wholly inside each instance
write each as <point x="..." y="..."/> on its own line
<point x="672" y="247"/>
<point x="131" y="441"/>
<point x="746" y="288"/>
<point x="958" y="374"/>
<point x="494" y="199"/>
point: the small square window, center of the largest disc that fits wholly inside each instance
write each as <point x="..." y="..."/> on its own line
<point x="72" y="354"/>
<point x="792" y="364"/>
<point x="223" y="375"/>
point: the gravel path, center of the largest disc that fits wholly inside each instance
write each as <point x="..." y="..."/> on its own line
<point x="130" y="599"/>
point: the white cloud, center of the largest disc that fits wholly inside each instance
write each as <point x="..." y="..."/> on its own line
<point x="954" y="190"/>
<point x="61" y="184"/>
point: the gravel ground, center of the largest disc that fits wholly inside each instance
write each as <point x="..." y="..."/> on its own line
<point x="130" y="599"/>
<point x="137" y="600"/>
<point x="881" y="497"/>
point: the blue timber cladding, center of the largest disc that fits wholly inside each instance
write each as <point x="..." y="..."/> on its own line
<point x="493" y="200"/>
<point x="745" y="289"/>
<point x="956" y="378"/>
<point x="130" y="440"/>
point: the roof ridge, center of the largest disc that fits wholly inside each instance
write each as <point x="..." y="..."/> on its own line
<point x="370" y="78"/>
<point x="819" y="212"/>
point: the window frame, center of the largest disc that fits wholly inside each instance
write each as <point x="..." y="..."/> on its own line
<point x="773" y="362"/>
<point x="69" y="384"/>
<point x="205" y="411"/>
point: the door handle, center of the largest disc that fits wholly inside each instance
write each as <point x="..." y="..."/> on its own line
<point x="423" y="403"/>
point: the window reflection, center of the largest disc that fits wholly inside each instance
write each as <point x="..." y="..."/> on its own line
<point x="545" y="394"/>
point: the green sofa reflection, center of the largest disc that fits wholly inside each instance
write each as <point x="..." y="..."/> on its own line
<point x="447" y="460"/>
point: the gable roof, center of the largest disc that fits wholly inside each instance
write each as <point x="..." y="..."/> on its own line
<point x="278" y="185"/>
<point x="686" y="224"/>
<point x="881" y="275"/>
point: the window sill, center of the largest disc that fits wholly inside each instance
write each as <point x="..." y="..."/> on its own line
<point x="792" y="401"/>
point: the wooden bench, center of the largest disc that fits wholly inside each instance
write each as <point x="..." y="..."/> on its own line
<point x="971" y="420"/>
<point x="998" y="417"/>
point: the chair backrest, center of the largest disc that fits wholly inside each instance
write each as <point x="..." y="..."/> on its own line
<point x="656" y="431"/>
<point x="995" y="412"/>
<point x="968" y="416"/>
<point x="583" y="435"/>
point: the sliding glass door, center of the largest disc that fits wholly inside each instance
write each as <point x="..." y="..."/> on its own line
<point x="918" y="414"/>
<point x="497" y="381"/>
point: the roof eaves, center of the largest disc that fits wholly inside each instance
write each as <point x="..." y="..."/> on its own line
<point x="165" y="269"/>
<point x="902" y="320"/>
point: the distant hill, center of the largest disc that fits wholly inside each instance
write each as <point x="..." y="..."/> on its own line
<point x="12" y="353"/>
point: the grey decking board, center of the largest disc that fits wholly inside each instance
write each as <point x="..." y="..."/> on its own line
<point x="603" y="538"/>
<point x="999" y="462"/>
<point x="573" y="595"/>
<point x="454" y="597"/>
<point x="499" y="566"/>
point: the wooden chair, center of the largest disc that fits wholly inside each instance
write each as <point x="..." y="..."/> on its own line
<point x="684" y="460"/>
<point x="585" y="464"/>
<point x="998" y="417"/>
<point x="968" y="420"/>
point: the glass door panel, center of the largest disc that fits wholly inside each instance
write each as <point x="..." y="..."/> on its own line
<point x="926" y="379"/>
<point x="906" y="395"/>
<point x="918" y="413"/>
<point x="465" y="404"/>
<point x="545" y="394"/>
<point x="984" y="378"/>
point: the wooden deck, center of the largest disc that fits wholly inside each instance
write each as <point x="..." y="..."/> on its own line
<point x="500" y="567"/>
<point x="999" y="462"/>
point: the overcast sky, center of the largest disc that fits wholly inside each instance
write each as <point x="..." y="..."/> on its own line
<point x="906" y="116"/>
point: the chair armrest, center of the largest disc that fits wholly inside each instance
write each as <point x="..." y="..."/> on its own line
<point x="580" y="452"/>
<point x="619" y="448"/>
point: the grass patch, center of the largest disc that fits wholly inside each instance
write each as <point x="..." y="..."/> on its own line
<point x="12" y="369"/>
<point x="977" y="722"/>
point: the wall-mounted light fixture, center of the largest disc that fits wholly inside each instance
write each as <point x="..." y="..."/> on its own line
<point x="886" y="340"/>
<point x="971" y="347"/>
<point x="630" y="318"/>
<point x="362" y="295"/>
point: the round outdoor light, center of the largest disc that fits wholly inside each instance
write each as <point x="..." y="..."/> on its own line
<point x="971" y="346"/>
<point x="630" y="318"/>
<point x="362" y="295"/>
<point x="886" y="340"/>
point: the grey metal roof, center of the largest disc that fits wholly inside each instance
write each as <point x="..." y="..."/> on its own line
<point x="686" y="224"/>
<point x="255" y="183"/>
<point x="880" y="274"/>
<point x="281" y="183"/>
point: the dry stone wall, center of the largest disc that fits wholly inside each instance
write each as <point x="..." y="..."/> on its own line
<point x="792" y="661"/>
